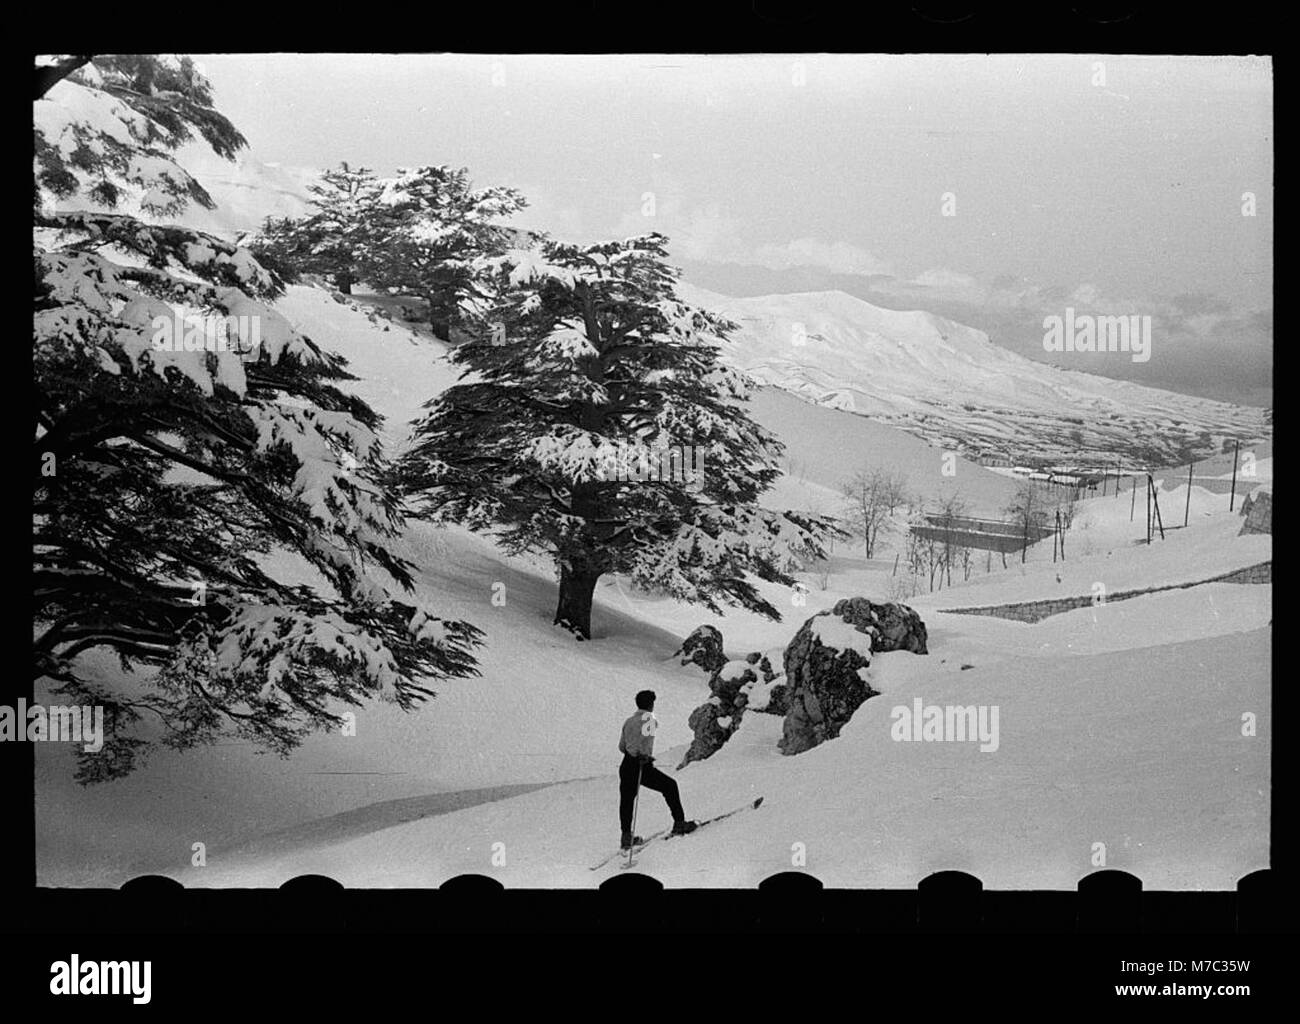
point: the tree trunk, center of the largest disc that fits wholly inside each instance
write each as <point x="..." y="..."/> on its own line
<point x="343" y="282"/>
<point x="440" y="315"/>
<point x="573" y="612"/>
<point x="441" y="326"/>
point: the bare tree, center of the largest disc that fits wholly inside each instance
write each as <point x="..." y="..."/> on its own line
<point x="894" y="492"/>
<point x="951" y="510"/>
<point x="1066" y="506"/>
<point x="871" y="498"/>
<point x="1028" y="510"/>
<point x="933" y="560"/>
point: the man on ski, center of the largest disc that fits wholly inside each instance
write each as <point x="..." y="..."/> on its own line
<point x="637" y="747"/>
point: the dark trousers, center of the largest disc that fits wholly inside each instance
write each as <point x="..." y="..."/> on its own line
<point x="651" y="778"/>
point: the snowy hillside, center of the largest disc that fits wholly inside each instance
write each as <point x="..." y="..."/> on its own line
<point x="1088" y="701"/>
<point x="246" y="191"/>
<point x="872" y="812"/>
<point x="951" y="385"/>
<point x="826" y="445"/>
<point x="1151" y="688"/>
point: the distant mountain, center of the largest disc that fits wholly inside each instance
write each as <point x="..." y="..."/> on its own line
<point x="949" y="384"/>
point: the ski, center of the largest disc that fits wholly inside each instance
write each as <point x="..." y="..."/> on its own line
<point x="707" y="821"/>
<point x="620" y="851"/>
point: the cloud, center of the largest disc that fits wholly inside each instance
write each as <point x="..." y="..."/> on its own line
<point x="1011" y="308"/>
<point x="948" y="284"/>
<point x="708" y="235"/>
<point x="837" y="257"/>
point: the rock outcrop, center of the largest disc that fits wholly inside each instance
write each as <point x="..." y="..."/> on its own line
<point x="827" y="666"/>
<point x="767" y="694"/>
<point x="816" y="684"/>
<point x="704" y="648"/>
<point x="716" y="719"/>
<point x="893" y="627"/>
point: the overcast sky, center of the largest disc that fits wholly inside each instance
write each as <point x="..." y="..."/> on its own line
<point x="1110" y="184"/>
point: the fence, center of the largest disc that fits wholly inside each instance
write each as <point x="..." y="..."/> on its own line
<point x="980" y="534"/>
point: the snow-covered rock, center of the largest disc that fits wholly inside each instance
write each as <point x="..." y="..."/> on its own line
<point x="714" y="721"/>
<point x="893" y="627"/>
<point x="704" y="648"/>
<point x="733" y="692"/>
<point x="769" y="693"/>
<point x="824" y="687"/>
<point x="827" y="665"/>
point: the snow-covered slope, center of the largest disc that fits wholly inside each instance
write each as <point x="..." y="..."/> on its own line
<point x="825" y="446"/>
<point x="246" y="191"/>
<point x="1123" y="731"/>
<point x="1134" y="749"/>
<point x="950" y="384"/>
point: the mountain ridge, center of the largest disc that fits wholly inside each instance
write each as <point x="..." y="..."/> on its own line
<point x="952" y="385"/>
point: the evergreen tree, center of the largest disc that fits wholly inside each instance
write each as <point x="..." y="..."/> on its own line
<point x="599" y="426"/>
<point x="210" y="506"/>
<point x="110" y="136"/>
<point x="427" y="233"/>
<point x="335" y="240"/>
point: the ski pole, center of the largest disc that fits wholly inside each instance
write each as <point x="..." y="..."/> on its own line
<point x="636" y="800"/>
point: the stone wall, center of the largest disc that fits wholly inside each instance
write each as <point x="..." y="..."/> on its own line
<point x="1261" y="573"/>
<point x="1035" y="611"/>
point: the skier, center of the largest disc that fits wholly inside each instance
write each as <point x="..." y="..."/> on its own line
<point x="637" y="747"/>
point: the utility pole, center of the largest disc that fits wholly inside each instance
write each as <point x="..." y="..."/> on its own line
<point x="1233" y="498"/>
<point x="1188" y="509"/>
<point x="1155" y="499"/>
<point x="1132" y="504"/>
<point x="1148" y="508"/>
